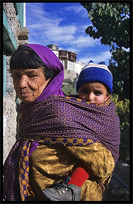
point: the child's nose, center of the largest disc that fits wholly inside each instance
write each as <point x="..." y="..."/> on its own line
<point x="90" y="97"/>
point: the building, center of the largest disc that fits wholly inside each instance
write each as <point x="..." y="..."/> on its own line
<point x="72" y="67"/>
<point x="14" y="34"/>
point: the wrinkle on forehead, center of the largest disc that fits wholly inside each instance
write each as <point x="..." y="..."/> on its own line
<point x="25" y="71"/>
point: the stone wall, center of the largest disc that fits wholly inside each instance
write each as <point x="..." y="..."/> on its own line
<point x="9" y="125"/>
<point x="9" y="114"/>
<point x="12" y="18"/>
<point x="9" y="99"/>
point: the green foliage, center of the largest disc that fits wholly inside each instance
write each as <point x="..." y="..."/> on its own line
<point x="125" y="146"/>
<point x="111" y="24"/>
<point x="108" y="20"/>
<point x="121" y="72"/>
<point x="69" y="87"/>
<point x="123" y="111"/>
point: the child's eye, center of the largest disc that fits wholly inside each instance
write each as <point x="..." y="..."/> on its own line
<point x="98" y="93"/>
<point x="84" y="91"/>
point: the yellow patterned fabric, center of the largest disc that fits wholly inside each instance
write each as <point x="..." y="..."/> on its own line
<point x="49" y="163"/>
<point x="24" y="170"/>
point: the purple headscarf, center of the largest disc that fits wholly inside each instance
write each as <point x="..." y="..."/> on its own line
<point x="53" y="63"/>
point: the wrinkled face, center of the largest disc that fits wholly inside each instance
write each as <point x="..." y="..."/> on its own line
<point x="93" y="92"/>
<point x="29" y="83"/>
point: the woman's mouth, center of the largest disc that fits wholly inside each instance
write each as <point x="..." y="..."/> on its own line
<point x="25" y="94"/>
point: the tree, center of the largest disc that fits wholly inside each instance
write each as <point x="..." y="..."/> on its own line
<point x="123" y="110"/>
<point x="111" y="24"/>
<point x="121" y="72"/>
<point x="69" y="87"/>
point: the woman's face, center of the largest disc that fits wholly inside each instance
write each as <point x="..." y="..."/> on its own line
<point x="29" y="83"/>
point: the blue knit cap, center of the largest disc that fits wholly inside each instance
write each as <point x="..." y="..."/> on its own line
<point x="96" y="73"/>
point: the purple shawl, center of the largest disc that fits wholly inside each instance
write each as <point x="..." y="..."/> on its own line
<point x="71" y="121"/>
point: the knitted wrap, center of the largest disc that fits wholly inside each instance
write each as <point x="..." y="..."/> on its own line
<point x="71" y="121"/>
<point x="63" y="121"/>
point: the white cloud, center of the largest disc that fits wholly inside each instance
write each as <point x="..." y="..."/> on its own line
<point x="126" y="49"/>
<point x="48" y="28"/>
<point x="103" y="56"/>
<point x="51" y="30"/>
<point x="85" y="41"/>
<point x="60" y="33"/>
<point x="77" y="9"/>
<point x="35" y="9"/>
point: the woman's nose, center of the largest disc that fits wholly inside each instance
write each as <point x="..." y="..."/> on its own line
<point x="23" y="81"/>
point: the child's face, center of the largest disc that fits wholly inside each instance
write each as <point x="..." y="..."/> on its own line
<point x="93" y="92"/>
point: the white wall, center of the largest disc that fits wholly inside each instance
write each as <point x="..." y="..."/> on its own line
<point x="75" y="66"/>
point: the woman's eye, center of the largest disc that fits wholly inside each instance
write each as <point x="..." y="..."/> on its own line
<point x="16" y="76"/>
<point x="33" y="75"/>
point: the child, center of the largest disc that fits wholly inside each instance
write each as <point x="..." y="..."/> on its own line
<point x="94" y="85"/>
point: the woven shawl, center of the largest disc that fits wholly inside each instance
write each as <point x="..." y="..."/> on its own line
<point x="71" y="121"/>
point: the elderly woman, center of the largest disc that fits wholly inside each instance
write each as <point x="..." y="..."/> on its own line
<point x="55" y="133"/>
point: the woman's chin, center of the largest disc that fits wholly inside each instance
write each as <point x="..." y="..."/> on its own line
<point x="27" y="99"/>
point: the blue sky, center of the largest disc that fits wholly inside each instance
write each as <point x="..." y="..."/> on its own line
<point x="64" y="24"/>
